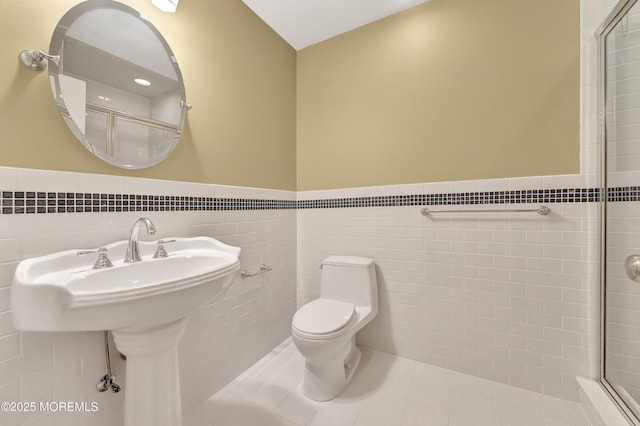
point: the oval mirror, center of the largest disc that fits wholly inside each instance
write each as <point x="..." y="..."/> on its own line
<point x="117" y="84"/>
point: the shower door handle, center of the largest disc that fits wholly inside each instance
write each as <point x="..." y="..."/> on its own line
<point x="632" y="267"/>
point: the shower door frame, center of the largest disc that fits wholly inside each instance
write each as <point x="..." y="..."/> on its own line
<point x="612" y="20"/>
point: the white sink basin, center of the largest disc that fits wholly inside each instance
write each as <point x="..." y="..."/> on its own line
<point x="61" y="291"/>
<point x="143" y="303"/>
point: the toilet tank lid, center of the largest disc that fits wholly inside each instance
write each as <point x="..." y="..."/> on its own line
<point x="351" y="261"/>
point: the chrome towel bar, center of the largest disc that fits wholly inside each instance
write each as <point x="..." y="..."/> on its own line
<point x="263" y="268"/>
<point x="542" y="210"/>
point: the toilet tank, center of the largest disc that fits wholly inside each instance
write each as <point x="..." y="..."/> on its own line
<point x="350" y="279"/>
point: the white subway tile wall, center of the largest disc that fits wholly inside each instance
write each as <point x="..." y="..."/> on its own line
<point x="223" y="338"/>
<point x="510" y="297"/>
<point x="623" y="94"/>
<point x="622" y="300"/>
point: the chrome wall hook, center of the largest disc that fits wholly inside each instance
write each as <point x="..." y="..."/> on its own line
<point x="36" y="60"/>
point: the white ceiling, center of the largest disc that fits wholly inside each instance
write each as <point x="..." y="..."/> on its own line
<point x="305" y="22"/>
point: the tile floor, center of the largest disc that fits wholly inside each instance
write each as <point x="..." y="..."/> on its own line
<point x="385" y="391"/>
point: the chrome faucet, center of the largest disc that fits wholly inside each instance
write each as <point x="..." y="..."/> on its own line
<point x="133" y="252"/>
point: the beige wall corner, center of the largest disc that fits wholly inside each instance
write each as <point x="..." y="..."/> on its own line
<point x="448" y="90"/>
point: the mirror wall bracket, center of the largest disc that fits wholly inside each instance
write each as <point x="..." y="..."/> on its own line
<point x="36" y="60"/>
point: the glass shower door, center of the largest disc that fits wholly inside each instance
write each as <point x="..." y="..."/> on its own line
<point x="619" y="42"/>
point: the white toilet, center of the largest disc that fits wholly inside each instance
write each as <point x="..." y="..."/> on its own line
<point x="324" y="330"/>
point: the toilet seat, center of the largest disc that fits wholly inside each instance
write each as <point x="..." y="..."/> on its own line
<point x="323" y="318"/>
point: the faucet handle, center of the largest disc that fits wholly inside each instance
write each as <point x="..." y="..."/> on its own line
<point x="160" y="250"/>
<point x="103" y="261"/>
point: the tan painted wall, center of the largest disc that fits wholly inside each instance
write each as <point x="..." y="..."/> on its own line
<point x="239" y="76"/>
<point x="448" y="90"/>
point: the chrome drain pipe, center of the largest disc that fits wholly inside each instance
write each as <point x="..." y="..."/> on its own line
<point x="107" y="382"/>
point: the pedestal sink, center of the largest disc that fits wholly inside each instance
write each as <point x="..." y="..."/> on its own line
<point x="144" y="304"/>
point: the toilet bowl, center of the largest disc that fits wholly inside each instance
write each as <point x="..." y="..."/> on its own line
<point x="324" y="330"/>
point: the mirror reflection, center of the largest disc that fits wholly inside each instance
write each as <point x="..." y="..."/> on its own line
<point x="117" y="84"/>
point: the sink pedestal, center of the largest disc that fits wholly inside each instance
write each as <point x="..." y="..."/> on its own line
<point x="152" y="388"/>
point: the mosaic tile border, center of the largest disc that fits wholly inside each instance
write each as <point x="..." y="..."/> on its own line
<point x="579" y="195"/>
<point x="626" y="193"/>
<point x="21" y="202"/>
